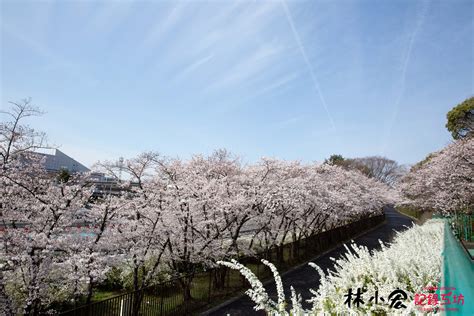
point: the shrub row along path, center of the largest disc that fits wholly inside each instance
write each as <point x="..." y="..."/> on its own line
<point x="305" y="277"/>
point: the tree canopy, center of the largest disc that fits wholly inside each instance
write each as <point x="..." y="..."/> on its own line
<point x="443" y="181"/>
<point x="461" y="119"/>
<point x="171" y="217"/>
<point x="385" y="170"/>
<point x="335" y="160"/>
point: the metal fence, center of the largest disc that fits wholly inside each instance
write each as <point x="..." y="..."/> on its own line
<point x="163" y="299"/>
<point x="209" y="287"/>
<point x="463" y="225"/>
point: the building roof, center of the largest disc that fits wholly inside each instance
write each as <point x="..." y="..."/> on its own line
<point x="57" y="160"/>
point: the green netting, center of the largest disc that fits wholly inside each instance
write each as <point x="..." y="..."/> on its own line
<point x="463" y="224"/>
<point x="458" y="272"/>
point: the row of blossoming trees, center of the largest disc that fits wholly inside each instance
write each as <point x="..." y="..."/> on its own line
<point x="443" y="182"/>
<point x="173" y="216"/>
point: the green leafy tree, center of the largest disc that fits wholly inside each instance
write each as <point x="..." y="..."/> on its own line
<point x="335" y="160"/>
<point x="461" y="119"/>
<point x="63" y="176"/>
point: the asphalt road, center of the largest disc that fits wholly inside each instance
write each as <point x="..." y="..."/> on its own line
<point x="305" y="277"/>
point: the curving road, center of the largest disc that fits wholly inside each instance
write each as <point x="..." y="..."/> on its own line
<point x="304" y="277"/>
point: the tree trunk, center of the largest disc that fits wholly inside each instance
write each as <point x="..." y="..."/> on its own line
<point x="280" y="254"/>
<point x="33" y="308"/>
<point x="185" y="283"/>
<point x="137" y="301"/>
<point x="6" y="308"/>
<point x="33" y="304"/>
<point x="90" y="288"/>
<point x="219" y="277"/>
<point x="295" y="249"/>
<point x="268" y="254"/>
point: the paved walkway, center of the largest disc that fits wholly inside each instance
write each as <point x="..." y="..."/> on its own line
<point x="304" y="277"/>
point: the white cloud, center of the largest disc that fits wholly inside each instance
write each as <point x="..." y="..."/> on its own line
<point x="163" y="26"/>
<point x="193" y="66"/>
<point x="248" y="66"/>
<point x="278" y="83"/>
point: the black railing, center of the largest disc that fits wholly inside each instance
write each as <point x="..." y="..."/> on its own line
<point x="209" y="287"/>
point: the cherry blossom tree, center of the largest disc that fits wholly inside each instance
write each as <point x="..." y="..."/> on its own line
<point x="42" y="254"/>
<point x="39" y="212"/>
<point x="280" y="187"/>
<point x="96" y="251"/>
<point x="17" y="138"/>
<point x="138" y="225"/>
<point x="166" y="215"/>
<point x="444" y="180"/>
<point x="201" y="221"/>
<point x="302" y="201"/>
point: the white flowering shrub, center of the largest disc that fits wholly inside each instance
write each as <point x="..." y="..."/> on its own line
<point x="259" y="295"/>
<point x="412" y="263"/>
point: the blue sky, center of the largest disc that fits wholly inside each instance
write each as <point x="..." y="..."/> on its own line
<point x="293" y="80"/>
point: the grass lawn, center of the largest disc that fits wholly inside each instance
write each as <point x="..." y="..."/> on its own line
<point x="413" y="213"/>
<point x="100" y="295"/>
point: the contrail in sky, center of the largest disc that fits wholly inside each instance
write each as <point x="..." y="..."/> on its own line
<point x="312" y="73"/>
<point x="404" y="73"/>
